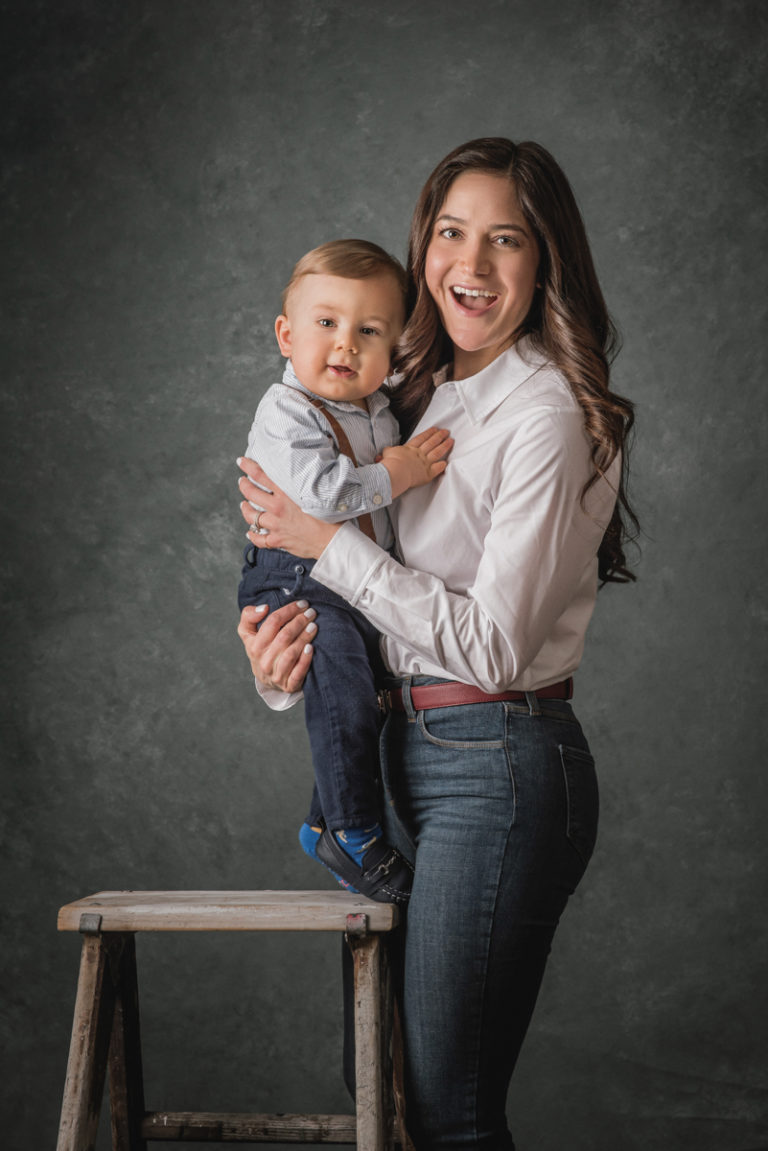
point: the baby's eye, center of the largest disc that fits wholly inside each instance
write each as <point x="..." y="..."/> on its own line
<point x="325" y="323"/>
<point x="370" y="331"/>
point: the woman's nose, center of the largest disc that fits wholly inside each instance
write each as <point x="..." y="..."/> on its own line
<point x="476" y="259"/>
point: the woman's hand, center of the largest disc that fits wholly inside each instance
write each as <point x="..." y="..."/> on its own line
<point x="282" y="523"/>
<point x="278" y="645"/>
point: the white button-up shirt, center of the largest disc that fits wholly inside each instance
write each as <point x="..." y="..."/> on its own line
<point x="500" y="557"/>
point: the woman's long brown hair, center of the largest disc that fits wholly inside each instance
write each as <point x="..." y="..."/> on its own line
<point x="568" y="320"/>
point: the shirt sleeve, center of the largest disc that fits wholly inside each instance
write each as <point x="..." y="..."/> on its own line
<point x="539" y="551"/>
<point x="299" y="452"/>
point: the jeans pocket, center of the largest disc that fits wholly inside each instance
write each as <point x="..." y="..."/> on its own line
<point x="454" y="727"/>
<point x="582" y="802"/>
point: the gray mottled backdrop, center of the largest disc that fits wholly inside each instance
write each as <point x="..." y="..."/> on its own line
<point x="165" y="164"/>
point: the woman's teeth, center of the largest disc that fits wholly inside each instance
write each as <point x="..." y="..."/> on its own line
<point x="473" y="292"/>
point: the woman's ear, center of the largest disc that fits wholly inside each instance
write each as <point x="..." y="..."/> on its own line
<point x="283" y="333"/>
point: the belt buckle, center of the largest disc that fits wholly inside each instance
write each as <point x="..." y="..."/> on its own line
<point x="382" y="698"/>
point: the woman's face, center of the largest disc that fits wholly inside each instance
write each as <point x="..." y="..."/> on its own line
<point x="481" y="268"/>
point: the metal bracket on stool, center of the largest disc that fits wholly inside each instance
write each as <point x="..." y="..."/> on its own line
<point x="90" y="923"/>
<point x="357" y="925"/>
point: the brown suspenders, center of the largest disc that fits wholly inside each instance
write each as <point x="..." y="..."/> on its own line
<point x="364" y="522"/>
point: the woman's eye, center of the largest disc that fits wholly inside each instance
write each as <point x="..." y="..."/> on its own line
<point x="508" y="241"/>
<point x="449" y="233"/>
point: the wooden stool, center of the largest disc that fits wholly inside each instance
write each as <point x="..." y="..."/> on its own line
<point x="105" y="1029"/>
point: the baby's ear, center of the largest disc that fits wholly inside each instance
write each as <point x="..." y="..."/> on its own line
<point x="283" y="333"/>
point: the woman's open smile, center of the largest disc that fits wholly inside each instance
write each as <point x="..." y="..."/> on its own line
<point x="473" y="300"/>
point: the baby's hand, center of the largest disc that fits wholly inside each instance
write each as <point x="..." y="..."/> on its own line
<point x="418" y="461"/>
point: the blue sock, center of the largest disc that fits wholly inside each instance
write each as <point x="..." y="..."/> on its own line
<point x="355" y="841"/>
<point x="308" y="837"/>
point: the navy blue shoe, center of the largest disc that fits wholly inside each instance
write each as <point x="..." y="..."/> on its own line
<point x="385" y="875"/>
<point x="309" y="836"/>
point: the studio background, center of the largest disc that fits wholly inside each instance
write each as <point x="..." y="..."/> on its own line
<point x="164" y="166"/>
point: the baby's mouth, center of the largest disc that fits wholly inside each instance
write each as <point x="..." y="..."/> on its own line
<point x="473" y="299"/>
<point x="341" y="370"/>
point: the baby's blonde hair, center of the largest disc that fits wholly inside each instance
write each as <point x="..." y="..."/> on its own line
<point x="351" y="259"/>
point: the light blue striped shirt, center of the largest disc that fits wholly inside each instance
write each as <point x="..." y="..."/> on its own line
<point x="295" y="445"/>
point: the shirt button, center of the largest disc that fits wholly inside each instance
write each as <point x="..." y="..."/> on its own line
<point x="377" y="498"/>
<point x="341" y="508"/>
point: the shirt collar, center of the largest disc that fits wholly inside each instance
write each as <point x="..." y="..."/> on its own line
<point x="376" y="401"/>
<point x="482" y="393"/>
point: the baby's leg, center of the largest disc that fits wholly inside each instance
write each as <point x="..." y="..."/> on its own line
<point x="343" y="722"/>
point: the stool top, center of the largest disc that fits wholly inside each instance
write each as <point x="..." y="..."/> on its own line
<point x="227" y="911"/>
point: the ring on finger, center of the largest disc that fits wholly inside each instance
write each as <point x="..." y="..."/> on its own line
<point x="256" y="525"/>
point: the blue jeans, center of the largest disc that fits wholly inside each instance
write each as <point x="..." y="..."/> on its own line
<point x="341" y="710"/>
<point x="496" y="805"/>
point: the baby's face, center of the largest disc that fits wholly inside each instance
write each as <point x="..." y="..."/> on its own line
<point x="340" y="333"/>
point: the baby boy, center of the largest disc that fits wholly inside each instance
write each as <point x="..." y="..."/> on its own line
<point x="326" y="436"/>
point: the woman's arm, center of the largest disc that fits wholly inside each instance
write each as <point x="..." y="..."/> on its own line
<point x="535" y="575"/>
<point x="537" y="558"/>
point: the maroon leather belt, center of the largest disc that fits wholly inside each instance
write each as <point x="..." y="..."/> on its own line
<point x="455" y="694"/>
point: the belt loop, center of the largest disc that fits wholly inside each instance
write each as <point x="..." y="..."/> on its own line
<point x="533" y="703"/>
<point x="407" y="701"/>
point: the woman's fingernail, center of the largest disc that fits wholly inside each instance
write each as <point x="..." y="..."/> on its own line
<point x="310" y="613"/>
<point x="302" y="603"/>
<point x="307" y="648"/>
<point x="311" y="628"/>
<point x="259" y="607"/>
<point x="239" y="460"/>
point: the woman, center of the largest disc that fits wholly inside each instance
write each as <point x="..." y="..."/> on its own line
<point x="492" y="786"/>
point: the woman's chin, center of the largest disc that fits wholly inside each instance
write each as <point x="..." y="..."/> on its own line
<point x="470" y="357"/>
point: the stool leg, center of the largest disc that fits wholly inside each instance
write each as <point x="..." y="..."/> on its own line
<point x="91" y="1027"/>
<point x="372" y="1023"/>
<point x="386" y="1008"/>
<point x="126" y="1080"/>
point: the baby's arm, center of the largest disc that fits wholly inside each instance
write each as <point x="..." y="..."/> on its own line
<point x="291" y="440"/>
<point x="418" y="461"/>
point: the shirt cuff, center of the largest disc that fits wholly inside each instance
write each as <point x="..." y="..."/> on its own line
<point x="348" y="562"/>
<point x="369" y="490"/>
<point x="277" y="700"/>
